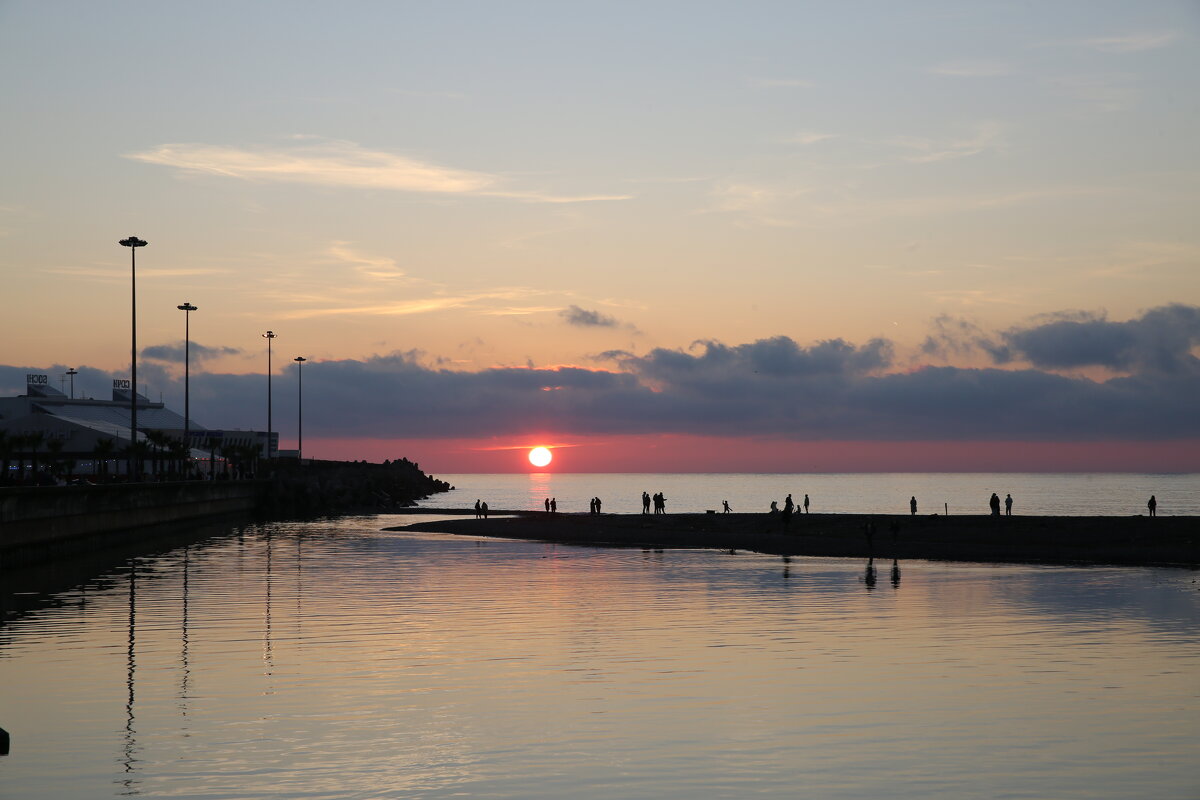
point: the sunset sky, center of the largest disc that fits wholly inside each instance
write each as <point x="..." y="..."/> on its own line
<point x="663" y="236"/>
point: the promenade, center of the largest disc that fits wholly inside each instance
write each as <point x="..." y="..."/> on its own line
<point x="1134" y="540"/>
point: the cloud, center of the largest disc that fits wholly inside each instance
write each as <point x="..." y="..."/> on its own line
<point x="574" y="315"/>
<point x="342" y="164"/>
<point x="174" y="353"/>
<point x="1160" y="341"/>
<point x="808" y="137"/>
<point x="775" y="387"/>
<point x="972" y="69"/>
<point x="782" y="83"/>
<point x="1129" y="43"/>
<point x="987" y="136"/>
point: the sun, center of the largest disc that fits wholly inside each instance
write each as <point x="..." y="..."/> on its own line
<point x="540" y="456"/>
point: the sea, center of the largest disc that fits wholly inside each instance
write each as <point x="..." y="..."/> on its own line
<point x="338" y="659"/>
<point x="1041" y="494"/>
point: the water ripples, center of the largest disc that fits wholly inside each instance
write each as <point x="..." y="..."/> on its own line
<point x="334" y="660"/>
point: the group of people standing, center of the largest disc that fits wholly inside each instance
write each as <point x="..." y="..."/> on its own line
<point x="551" y="505"/>
<point x="660" y="503"/>
<point x="594" y="506"/>
<point x="481" y="510"/>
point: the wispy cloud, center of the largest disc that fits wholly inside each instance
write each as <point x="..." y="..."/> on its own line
<point x="808" y="137"/>
<point x="368" y="265"/>
<point x="781" y="83"/>
<point x="987" y="137"/>
<point x="1130" y="42"/>
<point x="584" y="318"/>
<point x="972" y="69"/>
<point x="344" y="164"/>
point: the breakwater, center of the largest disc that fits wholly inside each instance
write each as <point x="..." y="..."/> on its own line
<point x="1042" y="539"/>
<point x="59" y="520"/>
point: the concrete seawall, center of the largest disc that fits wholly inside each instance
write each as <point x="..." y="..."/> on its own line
<point x="41" y="517"/>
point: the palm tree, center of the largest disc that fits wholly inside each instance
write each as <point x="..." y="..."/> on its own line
<point x="34" y="441"/>
<point x="157" y="442"/>
<point x="7" y="448"/>
<point x="55" y="446"/>
<point x="101" y="452"/>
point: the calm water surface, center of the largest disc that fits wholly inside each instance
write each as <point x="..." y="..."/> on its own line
<point x="333" y="660"/>
<point x="1102" y="494"/>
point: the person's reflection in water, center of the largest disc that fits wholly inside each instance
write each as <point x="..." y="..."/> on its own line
<point x="869" y="575"/>
<point x="787" y="565"/>
<point x="895" y="574"/>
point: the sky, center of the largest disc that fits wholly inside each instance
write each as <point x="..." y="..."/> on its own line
<point x="664" y="236"/>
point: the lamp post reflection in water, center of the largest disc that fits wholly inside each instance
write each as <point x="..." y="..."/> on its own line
<point x="131" y="667"/>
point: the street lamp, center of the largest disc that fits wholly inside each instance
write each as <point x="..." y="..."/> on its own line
<point x="72" y="372"/>
<point x="269" y="335"/>
<point x="299" y="406"/>
<point x="133" y="243"/>
<point x="187" y="309"/>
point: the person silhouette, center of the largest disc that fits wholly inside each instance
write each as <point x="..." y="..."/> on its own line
<point x="477" y="510"/>
<point x="725" y="507"/>
<point x="645" y="502"/>
<point x="592" y="506"/>
<point x="774" y="507"/>
<point x="805" y="504"/>
<point x="483" y="509"/>
<point x="597" y="506"/>
<point x="553" y="505"/>
<point x="547" y="505"/>
<point x="788" y="505"/>
<point x="1008" y="505"/>
<point x="1153" y="506"/>
<point x="912" y="505"/>
<point x="994" y="504"/>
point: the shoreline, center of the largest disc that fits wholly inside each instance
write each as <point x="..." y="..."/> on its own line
<point x="1125" y="541"/>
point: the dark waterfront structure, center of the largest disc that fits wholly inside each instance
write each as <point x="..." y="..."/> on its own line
<point x="89" y="437"/>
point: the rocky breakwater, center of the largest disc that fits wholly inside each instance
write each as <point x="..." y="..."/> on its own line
<point x="313" y="488"/>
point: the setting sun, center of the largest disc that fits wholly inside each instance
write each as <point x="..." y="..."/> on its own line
<point x="540" y="456"/>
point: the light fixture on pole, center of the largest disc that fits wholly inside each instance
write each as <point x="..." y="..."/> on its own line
<point x="269" y="335"/>
<point x="133" y="243"/>
<point x="71" y="373"/>
<point x="299" y="406"/>
<point x="187" y="309"/>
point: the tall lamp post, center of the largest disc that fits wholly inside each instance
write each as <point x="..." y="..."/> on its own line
<point x="133" y="243"/>
<point x="299" y="406"/>
<point x="72" y="372"/>
<point x="187" y="309"/>
<point x="269" y="335"/>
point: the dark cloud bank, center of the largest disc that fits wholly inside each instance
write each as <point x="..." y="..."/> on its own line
<point x="831" y="390"/>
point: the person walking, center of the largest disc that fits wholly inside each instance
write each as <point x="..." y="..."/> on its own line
<point x="725" y="507"/>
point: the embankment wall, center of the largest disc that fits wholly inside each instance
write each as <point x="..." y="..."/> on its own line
<point x="46" y="516"/>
